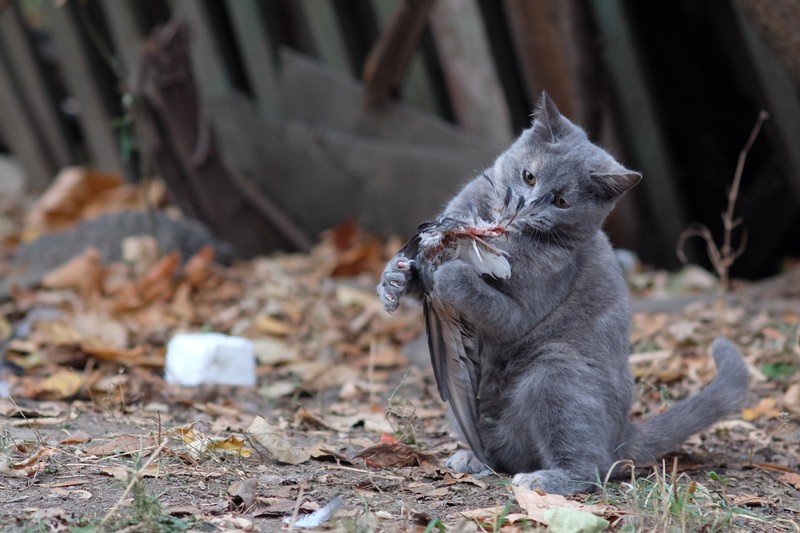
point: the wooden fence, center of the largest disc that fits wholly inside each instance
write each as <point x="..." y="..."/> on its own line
<point x="671" y="88"/>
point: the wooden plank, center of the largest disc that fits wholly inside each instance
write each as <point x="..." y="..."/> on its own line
<point x="472" y="81"/>
<point x="640" y="123"/>
<point x="78" y="72"/>
<point x="208" y="60"/>
<point x="418" y="87"/>
<point x="386" y="65"/>
<point x="536" y="28"/>
<point x="329" y="43"/>
<point x="252" y="35"/>
<point x="19" y="134"/>
<point x="126" y="35"/>
<point x="33" y="88"/>
<point x="779" y="94"/>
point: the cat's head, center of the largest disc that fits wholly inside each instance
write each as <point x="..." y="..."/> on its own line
<point x="571" y="183"/>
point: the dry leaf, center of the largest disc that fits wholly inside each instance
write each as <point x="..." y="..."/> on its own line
<point x="121" y="444"/>
<point x="231" y="445"/>
<point x="791" y="478"/>
<point x="65" y="202"/>
<point x="62" y="385"/>
<point x="158" y="283"/>
<point x="535" y="504"/>
<point x="395" y="455"/>
<point x="35" y="463"/>
<point x="276" y="443"/>
<point x="766" y="408"/>
<point x="243" y="493"/>
<point x="198" y="267"/>
<point x="84" y="272"/>
<point x="77" y="437"/>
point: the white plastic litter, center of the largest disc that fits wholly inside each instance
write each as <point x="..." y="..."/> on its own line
<point x="210" y="358"/>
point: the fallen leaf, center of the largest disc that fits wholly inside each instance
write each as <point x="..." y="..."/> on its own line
<point x="62" y="385"/>
<point x="73" y="191"/>
<point x="28" y="467"/>
<point x="567" y="520"/>
<point x="231" y="445"/>
<point x="791" y="478"/>
<point x="243" y="494"/>
<point x="84" y="272"/>
<point x="536" y="505"/>
<point x="121" y="444"/>
<point x="76" y="437"/>
<point x="766" y="408"/>
<point x="277" y="443"/>
<point x="198" y="268"/>
<point x="395" y="455"/>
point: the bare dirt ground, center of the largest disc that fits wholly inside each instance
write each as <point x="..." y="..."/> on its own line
<point x="92" y="438"/>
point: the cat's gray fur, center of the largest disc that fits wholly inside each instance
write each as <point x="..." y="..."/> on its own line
<point x="555" y="388"/>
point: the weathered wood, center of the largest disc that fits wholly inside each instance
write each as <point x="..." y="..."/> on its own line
<point x="388" y="61"/>
<point x="180" y="142"/>
<point x="253" y="38"/>
<point x="33" y="89"/>
<point x="17" y="131"/>
<point x="417" y="86"/>
<point x="322" y="177"/>
<point x="317" y="93"/>
<point x="779" y="94"/>
<point x="472" y="82"/>
<point x="208" y="60"/>
<point x="639" y="121"/>
<point x="777" y="21"/>
<point x="80" y="78"/>
<point x="126" y="35"/>
<point x="543" y="48"/>
<point x="327" y="35"/>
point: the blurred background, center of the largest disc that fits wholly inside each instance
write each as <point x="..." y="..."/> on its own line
<point x="271" y="121"/>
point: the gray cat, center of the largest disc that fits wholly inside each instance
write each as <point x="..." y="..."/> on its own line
<point x="528" y="318"/>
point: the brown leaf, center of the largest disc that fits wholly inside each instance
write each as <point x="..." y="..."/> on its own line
<point x="121" y="444"/>
<point x="198" y="267"/>
<point x="536" y="504"/>
<point x="277" y="443"/>
<point x="68" y="198"/>
<point x="243" y="494"/>
<point x="766" y="408"/>
<point x="76" y="437"/>
<point x="791" y="478"/>
<point x="157" y="283"/>
<point x="84" y="272"/>
<point x="62" y="385"/>
<point x="393" y="456"/>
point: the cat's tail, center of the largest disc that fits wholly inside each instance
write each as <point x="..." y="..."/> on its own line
<point x="719" y="398"/>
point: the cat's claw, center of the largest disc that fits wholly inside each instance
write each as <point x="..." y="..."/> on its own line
<point x="465" y="462"/>
<point x="394" y="282"/>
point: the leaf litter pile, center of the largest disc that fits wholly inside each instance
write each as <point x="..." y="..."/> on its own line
<point x="344" y="431"/>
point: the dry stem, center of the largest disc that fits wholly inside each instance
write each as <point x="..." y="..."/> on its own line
<point x="722" y="258"/>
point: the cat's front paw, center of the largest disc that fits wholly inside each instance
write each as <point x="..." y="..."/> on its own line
<point x="454" y="282"/>
<point x="394" y="282"/>
<point x="551" y="482"/>
<point x="465" y="462"/>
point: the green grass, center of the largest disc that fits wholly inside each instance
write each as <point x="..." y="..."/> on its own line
<point x="669" y="501"/>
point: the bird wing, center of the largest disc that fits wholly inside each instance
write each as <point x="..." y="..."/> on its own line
<point x="455" y="355"/>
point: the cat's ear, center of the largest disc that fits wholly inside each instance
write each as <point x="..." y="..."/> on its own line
<point x="615" y="184"/>
<point x="547" y="120"/>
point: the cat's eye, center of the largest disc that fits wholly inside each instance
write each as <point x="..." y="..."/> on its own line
<point x="529" y="178"/>
<point x="560" y="202"/>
